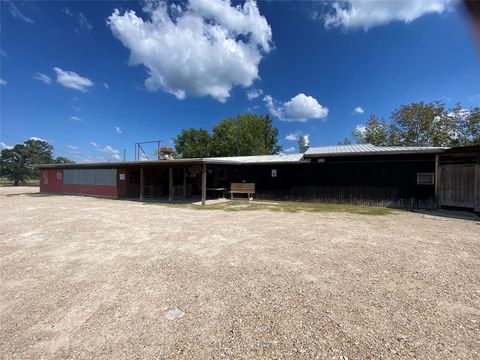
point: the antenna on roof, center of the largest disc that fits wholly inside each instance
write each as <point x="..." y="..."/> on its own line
<point x="139" y="149"/>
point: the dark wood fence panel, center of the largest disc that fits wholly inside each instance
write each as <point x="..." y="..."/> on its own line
<point x="457" y="185"/>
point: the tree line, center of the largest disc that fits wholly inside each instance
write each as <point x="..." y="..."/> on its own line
<point x="18" y="163"/>
<point x="422" y="124"/>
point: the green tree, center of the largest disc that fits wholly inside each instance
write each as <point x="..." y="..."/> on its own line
<point x="18" y="163"/>
<point x="376" y="132"/>
<point x="193" y="143"/>
<point x="466" y="125"/>
<point x="421" y="124"/>
<point x="246" y="134"/>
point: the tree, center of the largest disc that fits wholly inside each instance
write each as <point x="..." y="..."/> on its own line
<point x="244" y="135"/>
<point x="193" y="143"/>
<point x="62" y="160"/>
<point x="345" y="141"/>
<point x="420" y="124"/>
<point x="18" y="163"/>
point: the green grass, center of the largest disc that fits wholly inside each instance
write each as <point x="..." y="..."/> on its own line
<point x="285" y="206"/>
<point x="30" y="182"/>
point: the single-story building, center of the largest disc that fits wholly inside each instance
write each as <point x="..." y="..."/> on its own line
<point x="404" y="177"/>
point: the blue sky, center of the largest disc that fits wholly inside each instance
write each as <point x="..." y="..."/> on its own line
<point x="93" y="81"/>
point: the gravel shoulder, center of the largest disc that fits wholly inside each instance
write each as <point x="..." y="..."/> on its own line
<point x="96" y="278"/>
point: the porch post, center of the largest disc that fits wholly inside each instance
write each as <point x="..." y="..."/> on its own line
<point x="184" y="183"/>
<point x="170" y="184"/>
<point x="204" y="184"/>
<point x="437" y="180"/>
<point x="142" y="183"/>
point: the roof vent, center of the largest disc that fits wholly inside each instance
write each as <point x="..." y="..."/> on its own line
<point x="303" y="143"/>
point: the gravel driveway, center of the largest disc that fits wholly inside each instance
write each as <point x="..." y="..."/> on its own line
<point x="96" y="278"/>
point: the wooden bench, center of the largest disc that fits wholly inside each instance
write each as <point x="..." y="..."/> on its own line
<point x="242" y="188"/>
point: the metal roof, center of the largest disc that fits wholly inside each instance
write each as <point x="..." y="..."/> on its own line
<point x="259" y="159"/>
<point x="369" y="149"/>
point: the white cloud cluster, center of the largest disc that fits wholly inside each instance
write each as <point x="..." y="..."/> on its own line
<point x="202" y="48"/>
<point x="358" y="110"/>
<point x="293" y="136"/>
<point x="290" y="150"/>
<point x="299" y="108"/>
<point x="118" y="130"/>
<point x="72" y="147"/>
<point x="109" y="150"/>
<point x="72" y="80"/>
<point x="43" y="77"/>
<point x="17" y="14"/>
<point x="5" y="146"/>
<point x="75" y="118"/>
<point x="361" y="129"/>
<point x="254" y="93"/>
<point x="352" y="14"/>
<point x="3" y="82"/>
<point x="36" y="138"/>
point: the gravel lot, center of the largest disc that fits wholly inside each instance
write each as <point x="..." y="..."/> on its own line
<point x="97" y="278"/>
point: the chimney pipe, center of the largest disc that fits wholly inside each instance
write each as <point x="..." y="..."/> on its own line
<point x="303" y="143"/>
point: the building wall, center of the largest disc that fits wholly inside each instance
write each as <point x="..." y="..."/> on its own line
<point x="385" y="181"/>
<point x="61" y="181"/>
<point x="51" y="180"/>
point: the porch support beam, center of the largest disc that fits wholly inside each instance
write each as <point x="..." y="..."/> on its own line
<point x="437" y="180"/>
<point x="184" y="183"/>
<point x="170" y="184"/>
<point x="142" y="183"/>
<point x="204" y="184"/>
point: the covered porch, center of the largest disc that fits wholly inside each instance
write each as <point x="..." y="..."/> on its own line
<point x="173" y="181"/>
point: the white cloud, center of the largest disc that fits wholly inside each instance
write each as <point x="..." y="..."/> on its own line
<point x="202" y="48"/>
<point x="73" y="147"/>
<point x="302" y="107"/>
<point x="118" y="130"/>
<point x="361" y="129"/>
<point x="352" y="14"/>
<point x="72" y="80"/>
<point x="35" y="138"/>
<point x="42" y="77"/>
<point x="75" y="118"/>
<point x="293" y="136"/>
<point x="106" y="86"/>
<point x="83" y="21"/>
<point x="358" y="110"/>
<point x="290" y="149"/>
<point x="16" y="14"/>
<point x="109" y="150"/>
<point x="254" y="93"/>
<point x="299" y="108"/>
<point x="3" y="82"/>
<point x="5" y="146"/>
<point x="3" y="53"/>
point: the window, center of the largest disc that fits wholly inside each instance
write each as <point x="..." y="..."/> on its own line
<point x="425" y="178"/>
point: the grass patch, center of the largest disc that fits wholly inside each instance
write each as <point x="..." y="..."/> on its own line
<point x="294" y="207"/>
<point x="284" y="206"/>
<point x="31" y="182"/>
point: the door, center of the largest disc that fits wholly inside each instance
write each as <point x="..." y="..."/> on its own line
<point x="457" y="185"/>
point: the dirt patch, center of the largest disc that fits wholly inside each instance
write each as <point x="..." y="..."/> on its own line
<point x="96" y="278"/>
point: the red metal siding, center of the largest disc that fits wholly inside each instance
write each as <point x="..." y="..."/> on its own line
<point x="51" y="180"/>
<point x="97" y="190"/>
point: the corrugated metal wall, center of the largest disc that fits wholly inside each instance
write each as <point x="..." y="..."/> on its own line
<point x="98" y="177"/>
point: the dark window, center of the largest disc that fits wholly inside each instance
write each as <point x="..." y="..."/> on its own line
<point x="425" y="178"/>
<point x="134" y="177"/>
